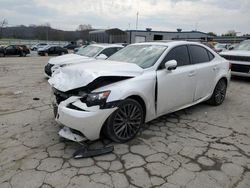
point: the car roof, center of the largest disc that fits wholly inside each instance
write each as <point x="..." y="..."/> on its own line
<point x="106" y="45"/>
<point x="167" y="43"/>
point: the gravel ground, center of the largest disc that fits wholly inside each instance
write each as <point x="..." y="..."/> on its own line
<point x="202" y="146"/>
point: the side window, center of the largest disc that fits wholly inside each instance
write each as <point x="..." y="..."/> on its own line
<point x="198" y="54"/>
<point x="51" y="49"/>
<point x="109" y="51"/>
<point x="10" y="47"/>
<point x="180" y="54"/>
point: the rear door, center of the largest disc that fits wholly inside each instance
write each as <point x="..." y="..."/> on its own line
<point x="206" y="70"/>
<point x="175" y="88"/>
<point x="58" y="50"/>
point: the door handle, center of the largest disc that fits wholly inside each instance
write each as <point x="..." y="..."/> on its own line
<point x="191" y="74"/>
<point x="215" y="68"/>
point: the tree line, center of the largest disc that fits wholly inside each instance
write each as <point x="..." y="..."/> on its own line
<point x="44" y="32"/>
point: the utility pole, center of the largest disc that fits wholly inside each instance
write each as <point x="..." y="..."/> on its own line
<point x="137" y="15"/>
<point x="136" y="25"/>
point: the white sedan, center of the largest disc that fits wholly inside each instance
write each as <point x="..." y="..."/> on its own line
<point x="135" y="85"/>
<point x="84" y="54"/>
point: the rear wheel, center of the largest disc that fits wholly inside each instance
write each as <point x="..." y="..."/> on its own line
<point x="125" y="122"/>
<point x="219" y="93"/>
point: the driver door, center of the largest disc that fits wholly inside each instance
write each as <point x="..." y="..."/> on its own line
<point x="11" y="50"/>
<point x="51" y="51"/>
<point x="176" y="88"/>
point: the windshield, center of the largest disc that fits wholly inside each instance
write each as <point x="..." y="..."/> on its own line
<point x="89" y="51"/>
<point x="245" y="45"/>
<point x="45" y="47"/>
<point x="143" y="55"/>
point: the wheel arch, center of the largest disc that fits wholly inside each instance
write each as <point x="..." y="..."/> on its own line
<point x="140" y="100"/>
<point x="223" y="78"/>
<point x="137" y="98"/>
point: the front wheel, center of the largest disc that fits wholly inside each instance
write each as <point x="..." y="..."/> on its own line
<point x="219" y="93"/>
<point x="125" y="122"/>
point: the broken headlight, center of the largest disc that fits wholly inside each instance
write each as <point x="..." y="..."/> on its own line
<point x="98" y="98"/>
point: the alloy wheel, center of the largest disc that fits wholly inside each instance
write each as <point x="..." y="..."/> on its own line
<point x="127" y="121"/>
<point x="220" y="92"/>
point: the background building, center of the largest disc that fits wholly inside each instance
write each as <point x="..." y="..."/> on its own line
<point x="131" y="36"/>
<point x="108" y="36"/>
<point x="149" y="35"/>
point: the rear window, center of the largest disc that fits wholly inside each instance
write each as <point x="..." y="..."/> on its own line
<point x="210" y="55"/>
<point x="199" y="54"/>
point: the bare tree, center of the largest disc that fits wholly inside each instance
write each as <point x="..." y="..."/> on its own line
<point x="83" y="27"/>
<point x="3" y="24"/>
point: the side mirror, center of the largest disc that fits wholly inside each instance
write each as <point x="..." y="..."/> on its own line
<point x="230" y="48"/>
<point x="102" y="56"/>
<point x="171" y="65"/>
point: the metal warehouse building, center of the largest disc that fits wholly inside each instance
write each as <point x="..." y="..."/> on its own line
<point x="108" y="36"/>
<point x="148" y="35"/>
<point x="131" y="36"/>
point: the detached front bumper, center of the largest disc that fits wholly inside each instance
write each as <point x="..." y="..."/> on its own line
<point x="78" y="116"/>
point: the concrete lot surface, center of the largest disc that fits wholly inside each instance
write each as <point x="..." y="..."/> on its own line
<point x="203" y="146"/>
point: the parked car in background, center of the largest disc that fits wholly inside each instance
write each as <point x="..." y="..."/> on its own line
<point x="85" y="53"/>
<point x="239" y="57"/>
<point x="209" y="45"/>
<point x="219" y="47"/>
<point x="20" y="50"/>
<point x="52" y="50"/>
<point x="37" y="46"/>
<point x="77" y="49"/>
<point x="232" y="46"/>
<point x="135" y="85"/>
<point x="71" y="46"/>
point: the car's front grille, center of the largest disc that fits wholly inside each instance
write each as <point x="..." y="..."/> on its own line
<point x="47" y="69"/>
<point x="240" y="68"/>
<point x="236" y="58"/>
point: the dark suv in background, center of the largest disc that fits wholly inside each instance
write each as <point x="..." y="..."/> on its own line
<point x="52" y="50"/>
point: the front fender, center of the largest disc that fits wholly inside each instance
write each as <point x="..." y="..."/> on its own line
<point x="142" y="86"/>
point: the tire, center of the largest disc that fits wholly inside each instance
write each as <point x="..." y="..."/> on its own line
<point x="2" y="54"/>
<point x="62" y="53"/>
<point x="124" y="123"/>
<point x="21" y="54"/>
<point x="219" y="93"/>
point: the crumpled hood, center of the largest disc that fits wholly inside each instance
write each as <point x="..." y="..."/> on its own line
<point x="80" y="75"/>
<point x="236" y="53"/>
<point x="68" y="59"/>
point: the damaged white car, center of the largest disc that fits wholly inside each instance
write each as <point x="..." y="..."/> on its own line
<point x="139" y="83"/>
<point x="84" y="54"/>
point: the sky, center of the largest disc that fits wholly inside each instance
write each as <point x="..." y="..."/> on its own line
<point x="218" y="16"/>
